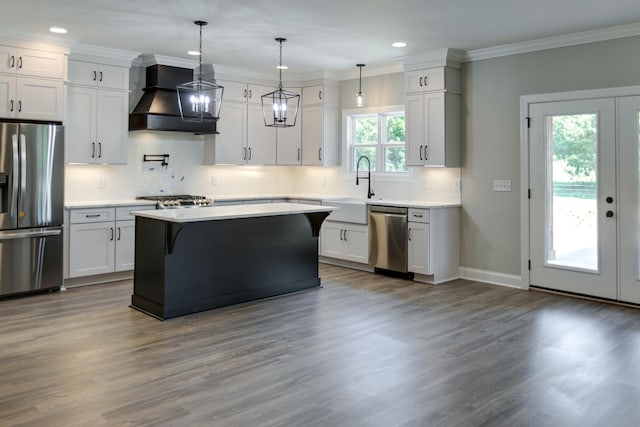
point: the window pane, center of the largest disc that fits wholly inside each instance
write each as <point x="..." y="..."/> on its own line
<point x="394" y="159"/>
<point x="395" y="129"/>
<point x="572" y="226"/>
<point x="366" y="130"/>
<point x="370" y="152"/>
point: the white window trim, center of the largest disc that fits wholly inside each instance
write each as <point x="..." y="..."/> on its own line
<point x="375" y="176"/>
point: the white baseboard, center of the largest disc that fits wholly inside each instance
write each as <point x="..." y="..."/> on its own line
<point x="491" y="277"/>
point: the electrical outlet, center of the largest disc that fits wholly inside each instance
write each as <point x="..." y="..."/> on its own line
<point x="101" y="183"/>
<point x="501" y="185"/>
<point x="456" y="185"/>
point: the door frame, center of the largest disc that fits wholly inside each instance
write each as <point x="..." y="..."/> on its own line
<point x="525" y="101"/>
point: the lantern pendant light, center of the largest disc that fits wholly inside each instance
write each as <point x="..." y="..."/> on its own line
<point x="200" y="100"/>
<point x="280" y="107"/>
<point x="360" y="97"/>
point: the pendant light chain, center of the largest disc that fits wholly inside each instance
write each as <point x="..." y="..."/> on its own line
<point x="280" y="67"/>
<point x="200" y="56"/>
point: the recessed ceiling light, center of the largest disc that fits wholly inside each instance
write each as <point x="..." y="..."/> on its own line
<point x="399" y="44"/>
<point x="58" y="30"/>
<point x="194" y="53"/>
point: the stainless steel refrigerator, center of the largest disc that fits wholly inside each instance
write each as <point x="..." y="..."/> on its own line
<point x="31" y="206"/>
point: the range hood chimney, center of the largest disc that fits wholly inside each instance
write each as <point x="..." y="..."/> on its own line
<point x="158" y="108"/>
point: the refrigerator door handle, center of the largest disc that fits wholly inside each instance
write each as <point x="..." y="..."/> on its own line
<point x="23" y="173"/>
<point x="27" y="234"/>
<point x="13" y="209"/>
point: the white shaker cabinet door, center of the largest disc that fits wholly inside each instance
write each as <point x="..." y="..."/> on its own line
<point x="125" y="245"/>
<point x="91" y="248"/>
<point x="112" y="122"/>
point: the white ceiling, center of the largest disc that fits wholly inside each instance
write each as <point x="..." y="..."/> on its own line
<point x="325" y="35"/>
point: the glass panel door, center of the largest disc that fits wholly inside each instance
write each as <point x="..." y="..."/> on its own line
<point x="572" y="177"/>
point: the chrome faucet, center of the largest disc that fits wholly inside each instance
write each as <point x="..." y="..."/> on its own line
<point x="368" y="178"/>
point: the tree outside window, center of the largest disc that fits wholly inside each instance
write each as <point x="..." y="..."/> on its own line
<point x="380" y="137"/>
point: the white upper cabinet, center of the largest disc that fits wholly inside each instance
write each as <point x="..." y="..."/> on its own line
<point x="98" y="75"/>
<point x="320" y="140"/>
<point x="31" y="62"/>
<point x="432" y="111"/>
<point x="31" y="84"/>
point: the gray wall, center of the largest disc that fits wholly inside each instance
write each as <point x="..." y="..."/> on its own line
<point x="491" y="134"/>
<point x="378" y="91"/>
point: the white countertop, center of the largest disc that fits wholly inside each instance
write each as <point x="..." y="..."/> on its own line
<point x="412" y="204"/>
<point x="108" y="203"/>
<point x="215" y="213"/>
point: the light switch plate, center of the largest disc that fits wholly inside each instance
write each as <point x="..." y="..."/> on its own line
<point x="501" y="185"/>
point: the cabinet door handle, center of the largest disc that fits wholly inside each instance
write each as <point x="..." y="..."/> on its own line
<point x="298" y="154"/>
<point x="420" y="81"/>
<point x="11" y="103"/>
<point x="244" y="93"/>
<point x="409" y="234"/>
<point x="95" y="75"/>
<point x="249" y="153"/>
<point x="99" y="150"/>
<point x="100" y="75"/>
<point x="341" y="234"/>
<point x="19" y="106"/>
<point x="111" y="229"/>
<point x="320" y="95"/>
<point x="425" y="152"/>
<point x="119" y="233"/>
<point x="426" y="80"/>
<point x="20" y="63"/>
<point x="421" y="153"/>
<point x="250" y="93"/>
<point x="345" y="235"/>
<point x="93" y="150"/>
<point x="320" y="154"/>
<point x="13" y="61"/>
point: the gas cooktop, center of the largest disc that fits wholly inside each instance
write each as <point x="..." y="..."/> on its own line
<point x="175" y="201"/>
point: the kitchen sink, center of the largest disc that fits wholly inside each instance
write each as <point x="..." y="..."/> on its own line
<point x="350" y="209"/>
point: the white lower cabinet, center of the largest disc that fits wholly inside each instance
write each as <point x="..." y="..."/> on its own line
<point x="433" y="244"/>
<point x="101" y="240"/>
<point x="346" y="241"/>
<point x="91" y="248"/>
<point x="418" y="247"/>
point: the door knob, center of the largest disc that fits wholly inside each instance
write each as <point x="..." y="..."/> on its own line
<point x="609" y="199"/>
<point x="609" y="214"/>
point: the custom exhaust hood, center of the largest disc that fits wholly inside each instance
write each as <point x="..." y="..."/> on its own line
<point x="158" y="108"/>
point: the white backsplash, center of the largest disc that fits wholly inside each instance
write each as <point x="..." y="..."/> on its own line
<point x="186" y="174"/>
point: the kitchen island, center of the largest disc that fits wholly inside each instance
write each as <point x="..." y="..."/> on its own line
<point x="191" y="260"/>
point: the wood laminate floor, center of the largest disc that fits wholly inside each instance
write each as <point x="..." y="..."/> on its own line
<point x="365" y="350"/>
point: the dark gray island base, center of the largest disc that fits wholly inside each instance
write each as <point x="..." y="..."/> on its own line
<point x="196" y="265"/>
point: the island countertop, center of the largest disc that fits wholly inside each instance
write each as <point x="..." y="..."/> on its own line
<point x="214" y="213"/>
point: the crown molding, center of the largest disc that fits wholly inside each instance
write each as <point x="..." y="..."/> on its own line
<point x="148" y="60"/>
<point x="437" y="58"/>
<point x="91" y="53"/>
<point x="574" y="39"/>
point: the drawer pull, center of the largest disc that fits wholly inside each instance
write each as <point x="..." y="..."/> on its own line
<point x="93" y="215"/>
<point x="418" y="215"/>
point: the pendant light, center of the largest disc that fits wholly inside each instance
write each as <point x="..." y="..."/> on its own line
<point x="280" y="107"/>
<point x="359" y="97"/>
<point x="200" y="100"/>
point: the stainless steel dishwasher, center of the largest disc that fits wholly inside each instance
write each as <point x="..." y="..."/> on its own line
<point x="388" y="238"/>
